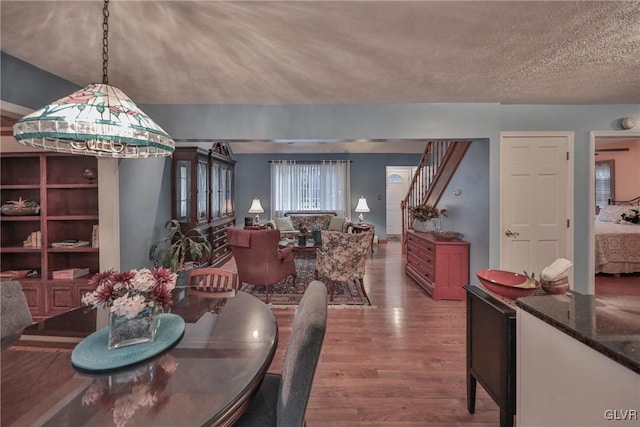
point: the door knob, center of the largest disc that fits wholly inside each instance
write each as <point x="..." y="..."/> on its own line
<point x="510" y="233"/>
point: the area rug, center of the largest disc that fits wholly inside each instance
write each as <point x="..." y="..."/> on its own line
<point x="284" y="293"/>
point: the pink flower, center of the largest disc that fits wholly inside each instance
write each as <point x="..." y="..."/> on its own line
<point x="101" y="278"/>
<point x="164" y="277"/>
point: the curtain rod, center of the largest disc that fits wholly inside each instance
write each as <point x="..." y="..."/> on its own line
<point x="311" y="162"/>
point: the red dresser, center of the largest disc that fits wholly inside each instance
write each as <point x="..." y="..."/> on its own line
<point x="440" y="266"/>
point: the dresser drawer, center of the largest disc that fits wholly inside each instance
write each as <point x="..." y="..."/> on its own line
<point x="439" y="266"/>
<point x="418" y="263"/>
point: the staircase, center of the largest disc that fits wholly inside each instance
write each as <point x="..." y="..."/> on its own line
<point x="438" y="164"/>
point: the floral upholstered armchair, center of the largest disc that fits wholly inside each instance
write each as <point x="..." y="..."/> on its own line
<point x="343" y="257"/>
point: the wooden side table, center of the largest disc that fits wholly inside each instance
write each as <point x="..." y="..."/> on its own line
<point x="491" y="352"/>
<point x="361" y="227"/>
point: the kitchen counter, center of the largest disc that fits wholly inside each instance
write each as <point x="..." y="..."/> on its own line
<point x="578" y="360"/>
<point x="608" y="324"/>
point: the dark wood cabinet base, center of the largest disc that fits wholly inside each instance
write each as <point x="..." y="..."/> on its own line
<point x="491" y="352"/>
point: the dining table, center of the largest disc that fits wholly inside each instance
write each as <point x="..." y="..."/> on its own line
<point x="207" y="377"/>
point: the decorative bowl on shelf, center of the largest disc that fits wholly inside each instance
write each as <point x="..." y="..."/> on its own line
<point x="506" y="283"/>
<point x="20" y="207"/>
<point x="447" y="235"/>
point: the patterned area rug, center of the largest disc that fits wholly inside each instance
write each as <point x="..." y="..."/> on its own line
<point x="287" y="294"/>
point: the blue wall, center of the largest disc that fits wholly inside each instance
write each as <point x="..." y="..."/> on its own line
<point x="367" y="179"/>
<point x="146" y="188"/>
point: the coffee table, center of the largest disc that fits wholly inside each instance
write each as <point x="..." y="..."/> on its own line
<point x="307" y="250"/>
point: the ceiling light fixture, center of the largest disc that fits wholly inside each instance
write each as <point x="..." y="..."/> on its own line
<point x="98" y="120"/>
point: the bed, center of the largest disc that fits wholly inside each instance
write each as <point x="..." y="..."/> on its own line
<point x="617" y="243"/>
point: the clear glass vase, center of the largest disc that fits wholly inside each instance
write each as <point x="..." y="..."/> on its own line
<point x="424" y="226"/>
<point x="137" y="330"/>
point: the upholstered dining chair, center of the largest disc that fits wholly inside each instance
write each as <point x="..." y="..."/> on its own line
<point x="14" y="310"/>
<point x="259" y="259"/>
<point x="211" y="280"/>
<point x="343" y="257"/>
<point x="281" y="400"/>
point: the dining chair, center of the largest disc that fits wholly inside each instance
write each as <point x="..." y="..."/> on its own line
<point x="281" y="400"/>
<point x="259" y="259"/>
<point x="342" y="258"/>
<point x="211" y="280"/>
<point x="14" y="310"/>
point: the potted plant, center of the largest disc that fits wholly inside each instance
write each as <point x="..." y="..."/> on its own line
<point x="193" y="242"/>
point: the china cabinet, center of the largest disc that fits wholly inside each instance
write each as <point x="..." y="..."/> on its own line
<point x="202" y="195"/>
<point x="61" y="236"/>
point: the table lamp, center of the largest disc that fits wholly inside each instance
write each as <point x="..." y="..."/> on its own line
<point x="362" y="207"/>
<point x="256" y="208"/>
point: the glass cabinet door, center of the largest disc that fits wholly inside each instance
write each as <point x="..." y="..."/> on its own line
<point x="183" y="190"/>
<point x="228" y="194"/>
<point x="216" y="210"/>
<point x="224" y="185"/>
<point x="202" y="192"/>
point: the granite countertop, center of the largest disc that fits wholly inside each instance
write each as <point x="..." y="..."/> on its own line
<point x="609" y="324"/>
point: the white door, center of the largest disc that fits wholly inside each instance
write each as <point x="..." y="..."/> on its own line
<point x="536" y="177"/>
<point x="398" y="180"/>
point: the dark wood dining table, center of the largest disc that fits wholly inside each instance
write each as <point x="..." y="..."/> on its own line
<point x="207" y="378"/>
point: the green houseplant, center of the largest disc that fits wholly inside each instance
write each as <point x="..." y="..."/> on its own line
<point x="178" y="244"/>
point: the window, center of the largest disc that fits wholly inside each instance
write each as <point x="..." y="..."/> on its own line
<point x="605" y="182"/>
<point x="310" y="186"/>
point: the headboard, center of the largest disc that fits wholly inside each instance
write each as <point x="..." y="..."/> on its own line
<point x="632" y="202"/>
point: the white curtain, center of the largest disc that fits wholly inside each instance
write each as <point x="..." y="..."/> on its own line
<point x="310" y="186"/>
<point x="604" y="179"/>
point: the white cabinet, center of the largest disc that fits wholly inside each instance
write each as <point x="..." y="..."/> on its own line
<point x="563" y="382"/>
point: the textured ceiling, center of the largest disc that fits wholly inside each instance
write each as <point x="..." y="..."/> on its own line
<point x="338" y="52"/>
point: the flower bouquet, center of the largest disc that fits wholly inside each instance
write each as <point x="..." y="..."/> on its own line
<point x="426" y="217"/>
<point x="426" y="212"/>
<point x="134" y="299"/>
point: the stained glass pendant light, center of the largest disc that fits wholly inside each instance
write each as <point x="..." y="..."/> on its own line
<point x="98" y="120"/>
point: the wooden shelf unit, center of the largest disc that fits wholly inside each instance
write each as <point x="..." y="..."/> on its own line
<point x="68" y="210"/>
<point x="440" y="267"/>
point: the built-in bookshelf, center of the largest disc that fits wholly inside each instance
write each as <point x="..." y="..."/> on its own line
<point x="68" y="213"/>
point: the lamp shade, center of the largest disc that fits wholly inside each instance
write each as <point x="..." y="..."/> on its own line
<point x="98" y="120"/>
<point x="362" y="205"/>
<point x="256" y="207"/>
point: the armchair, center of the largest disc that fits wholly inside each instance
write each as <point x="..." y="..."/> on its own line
<point x="259" y="259"/>
<point x="343" y="257"/>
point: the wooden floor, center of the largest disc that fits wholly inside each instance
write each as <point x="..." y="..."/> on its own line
<point x="621" y="284"/>
<point x="399" y="363"/>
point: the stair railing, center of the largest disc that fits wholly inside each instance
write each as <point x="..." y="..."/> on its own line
<point x="439" y="161"/>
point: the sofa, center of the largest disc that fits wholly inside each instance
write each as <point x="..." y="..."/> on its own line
<point x="293" y="221"/>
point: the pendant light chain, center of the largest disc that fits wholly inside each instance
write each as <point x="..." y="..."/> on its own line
<point x="105" y="42"/>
